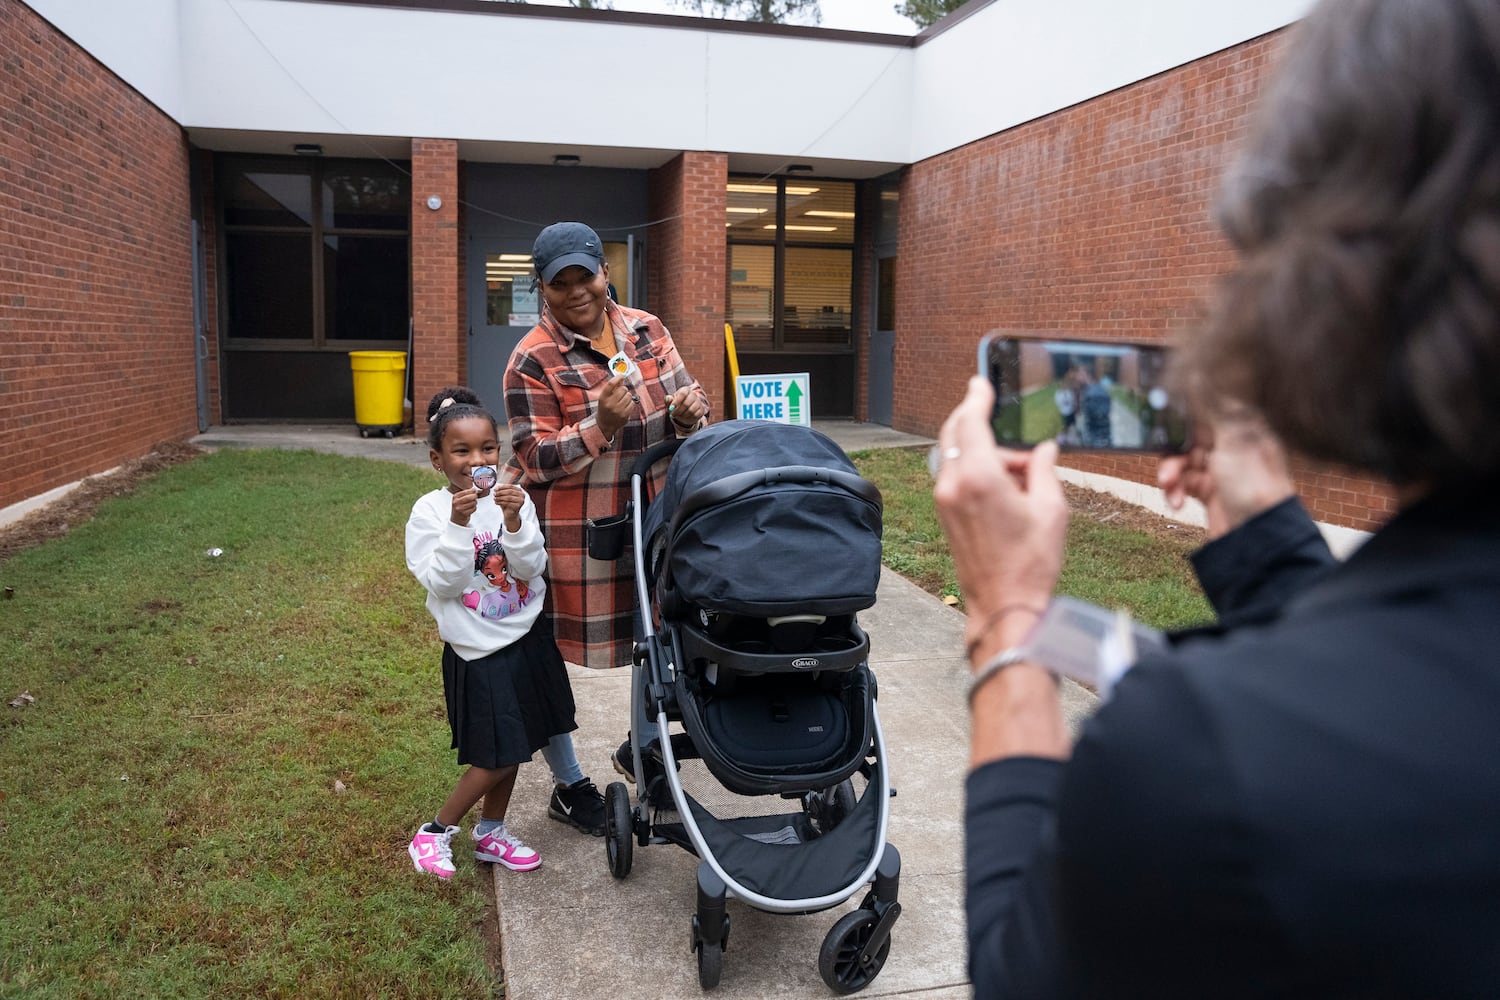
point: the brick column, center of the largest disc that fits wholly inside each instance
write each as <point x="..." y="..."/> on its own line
<point x="438" y="351"/>
<point x="686" y="280"/>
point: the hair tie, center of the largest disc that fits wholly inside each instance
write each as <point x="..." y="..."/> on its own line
<point x="450" y="401"/>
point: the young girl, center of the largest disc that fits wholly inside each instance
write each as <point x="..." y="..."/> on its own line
<point x="478" y="550"/>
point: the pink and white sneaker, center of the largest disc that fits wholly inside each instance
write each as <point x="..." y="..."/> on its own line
<point x="433" y="852"/>
<point x="505" y="848"/>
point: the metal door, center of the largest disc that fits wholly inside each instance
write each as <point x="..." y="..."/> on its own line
<point x="200" y="327"/>
<point x="880" y="369"/>
<point x="503" y="306"/>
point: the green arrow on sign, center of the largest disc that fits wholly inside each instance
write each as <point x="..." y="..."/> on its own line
<point x="793" y="398"/>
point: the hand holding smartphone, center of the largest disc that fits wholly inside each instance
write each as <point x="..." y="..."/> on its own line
<point x="1087" y="395"/>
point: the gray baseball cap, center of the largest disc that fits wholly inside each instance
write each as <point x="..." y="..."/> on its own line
<point x="564" y="244"/>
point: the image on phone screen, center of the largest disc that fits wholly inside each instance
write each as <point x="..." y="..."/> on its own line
<point x="1094" y="395"/>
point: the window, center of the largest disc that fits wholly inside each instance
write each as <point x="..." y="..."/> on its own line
<point x="512" y="300"/>
<point x="317" y="252"/>
<point x="791" y="263"/>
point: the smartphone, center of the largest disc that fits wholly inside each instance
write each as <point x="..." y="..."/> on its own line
<point x="1087" y="395"/>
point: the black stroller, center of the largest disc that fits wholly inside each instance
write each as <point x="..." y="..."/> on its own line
<point x="750" y="566"/>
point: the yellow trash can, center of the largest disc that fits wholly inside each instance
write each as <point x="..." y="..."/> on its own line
<point x="379" y="391"/>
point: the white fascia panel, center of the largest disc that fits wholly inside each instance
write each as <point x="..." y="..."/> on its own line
<point x="1012" y="62"/>
<point x="808" y="99"/>
<point x="284" y="66"/>
<point x="138" y="41"/>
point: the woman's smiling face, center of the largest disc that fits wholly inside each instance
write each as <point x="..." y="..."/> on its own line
<point x="576" y="296"/>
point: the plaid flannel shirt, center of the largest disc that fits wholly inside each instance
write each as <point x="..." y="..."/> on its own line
<point x="573" y="473"/>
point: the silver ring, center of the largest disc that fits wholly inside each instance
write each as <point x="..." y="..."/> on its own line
<point x="951" y="454"/>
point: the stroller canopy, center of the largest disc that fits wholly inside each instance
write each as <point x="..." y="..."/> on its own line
<point x="765" y="519"/>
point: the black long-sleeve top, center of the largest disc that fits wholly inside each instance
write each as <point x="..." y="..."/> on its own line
<point x="1303" y="801"/>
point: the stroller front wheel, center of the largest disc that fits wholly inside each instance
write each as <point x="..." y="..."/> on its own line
<point x="846" y="961"/>
<point x="619" y="830"/>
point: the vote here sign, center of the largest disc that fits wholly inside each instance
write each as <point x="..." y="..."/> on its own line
<point x="782" y="398"/>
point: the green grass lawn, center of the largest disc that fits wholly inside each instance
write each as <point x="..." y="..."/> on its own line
<point x="1111" y="566"/>
<point x="169" y="824"/>
<point x="169" y="820"/>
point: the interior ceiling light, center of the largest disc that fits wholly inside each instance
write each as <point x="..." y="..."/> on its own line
<point x="767" y="189"/>
<point x="820" y="213"/>
<point x="565" y="160"/>
<point x="739" y="210"/>
<point x="806" y="229"/>
<point x="307" y="149"/>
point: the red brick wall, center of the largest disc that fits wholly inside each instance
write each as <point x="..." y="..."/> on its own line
<point x="1092" y="221"/>
<point x="96" y="309"/>
<point x="686" y="281"/>
<point x="437" y="275"/>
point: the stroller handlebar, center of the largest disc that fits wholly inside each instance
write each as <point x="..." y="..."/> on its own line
<point x="654" y="454"/>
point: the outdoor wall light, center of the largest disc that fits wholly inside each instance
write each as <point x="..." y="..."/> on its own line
<point x="434" y="202"/>
<point x="565" y="160"/>
<point x="307" y="149"/>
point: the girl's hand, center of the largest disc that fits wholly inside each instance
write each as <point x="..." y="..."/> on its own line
<point x="1004" y="515"/>
<point x="1236" y="468"/>
<point x="686" y="408"/>
<point x="617" y="404"/>
<point x="510" y="499"/>
<point x="465" y="503"/>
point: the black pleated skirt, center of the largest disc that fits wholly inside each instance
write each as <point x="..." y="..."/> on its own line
<point x="505" y="707"/>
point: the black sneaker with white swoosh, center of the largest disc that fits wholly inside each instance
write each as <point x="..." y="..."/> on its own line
<point x="579" y="805"/>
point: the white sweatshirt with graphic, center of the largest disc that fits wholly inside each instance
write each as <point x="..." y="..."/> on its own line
<point x="484" y="584"/>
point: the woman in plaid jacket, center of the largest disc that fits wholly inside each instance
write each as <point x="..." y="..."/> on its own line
<point x="591" y="387"/>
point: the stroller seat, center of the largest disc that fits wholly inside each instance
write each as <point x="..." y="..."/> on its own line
<point x="779" y="732"/>
<point x="770" y="728"/>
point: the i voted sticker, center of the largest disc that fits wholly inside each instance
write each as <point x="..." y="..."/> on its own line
<point x="621" y="364"/>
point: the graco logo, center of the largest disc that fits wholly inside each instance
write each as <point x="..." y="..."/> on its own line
<point x="805" y="662"/>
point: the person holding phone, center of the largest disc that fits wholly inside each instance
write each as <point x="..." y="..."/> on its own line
<point x="1298" y="801"/>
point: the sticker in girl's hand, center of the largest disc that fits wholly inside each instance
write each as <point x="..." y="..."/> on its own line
<point x="621" y="364"/>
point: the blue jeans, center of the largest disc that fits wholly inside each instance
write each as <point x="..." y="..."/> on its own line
<point x="562" y="759"/>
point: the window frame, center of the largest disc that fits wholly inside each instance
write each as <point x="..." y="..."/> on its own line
<point x="778" y="243"/>
<point x="227" y="165"/>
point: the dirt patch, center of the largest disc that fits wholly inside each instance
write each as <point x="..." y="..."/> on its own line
<point x="1110" y="509"/>
<point x="79" y="504"/>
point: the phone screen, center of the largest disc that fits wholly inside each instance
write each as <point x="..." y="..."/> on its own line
<point x="1087" y="395"/>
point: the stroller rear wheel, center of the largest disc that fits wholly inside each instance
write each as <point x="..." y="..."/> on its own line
<point x="619" y="829"/>
<point x="846" y="961"/>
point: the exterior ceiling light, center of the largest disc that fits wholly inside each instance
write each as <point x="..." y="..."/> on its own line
<point x="307" y="149"/>
<point x="565" y="160"/>
<point x="799" y="168"/>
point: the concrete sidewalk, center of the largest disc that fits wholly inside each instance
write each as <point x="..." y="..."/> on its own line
<point x="571" y="930"/>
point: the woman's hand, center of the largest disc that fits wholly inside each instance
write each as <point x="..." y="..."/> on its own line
<point x="1003" y="513"/>
<point x="510" y="499"/>
<point x="1236" y="468"/>
<point x="686" y="408"/>
<point x="465" y="503"/>
<point x="617" y="404"/>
